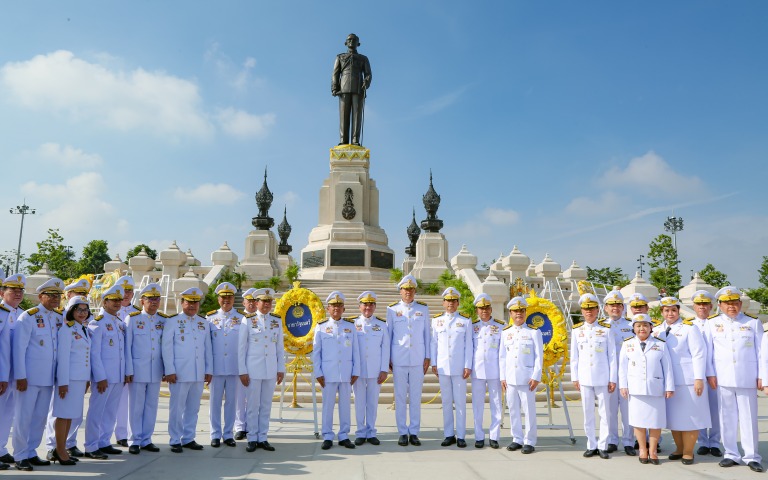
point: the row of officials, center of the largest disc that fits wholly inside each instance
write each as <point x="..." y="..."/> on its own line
<point x="696" y="377"/>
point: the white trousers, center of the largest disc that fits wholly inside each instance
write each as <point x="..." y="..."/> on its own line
<point x="6" y="419"/>
<point x="619" y="405"/>
<point x="329" y="402"/>
<point x="366" y="406"/>
<point x="100" y="420"/>
<point x="50" y="427"/>
<point x="223" y="389"/>
<point x="143" y="399"/>
<point x="29" y="422"/>
<point x="453" y="393"/>
<point x="520" y="399"/>
<point x="710" y="437"/>
<point x="738" y="413"/>
<point x="408" y="382"/>
<point x="121" y="421"/>
<point x="588" y="395"/>
<point x="478" y="406"/>
<point x="260" y="393"/>
<point x="183" y="409"/>
<point x="241" y="410"/>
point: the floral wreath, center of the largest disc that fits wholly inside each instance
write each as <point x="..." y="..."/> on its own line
<point x="292" y="298"/>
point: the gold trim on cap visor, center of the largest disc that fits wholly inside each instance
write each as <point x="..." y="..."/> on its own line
<point x="368" y="299"/>
<point x="483" y="303"/>
<point x="588" y="304"/>
<point x="702" y="299"/>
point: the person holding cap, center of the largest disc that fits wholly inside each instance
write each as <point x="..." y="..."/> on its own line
<point x="593" y="371"/>
<point x="241" y="410"/>
<point x="126" y="308"/>
<point x="520" y="364"/>
<point x="452" y="357"/>
<point x="144" y="367"/>
<point x="12" y="291"/>
<point x="486" y="338"/>
<point x="709" y="438"/>
<point x="733" y="350"/>
<point x="225" y="328"/>
<point x="646" y="379"/>
<point x="188" y="362"/>
<point x="336" y="361"/>
<point x="261" y="363"/>
<point x="621" y="328"/>
<point x="35" y="349"/>
<point x="373" y="341"/>
<point x="409" y="339"/>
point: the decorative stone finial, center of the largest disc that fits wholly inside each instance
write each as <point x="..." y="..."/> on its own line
<point x="263" y="200"/>
<point x="284" y="231"/>
<point x="413" y="231"/>
<point x="431" y="203"/>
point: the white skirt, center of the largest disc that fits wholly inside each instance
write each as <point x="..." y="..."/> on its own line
<point x="647" y="411"/>
<point x="70" y="406"/>
<point x="686" y="411"/>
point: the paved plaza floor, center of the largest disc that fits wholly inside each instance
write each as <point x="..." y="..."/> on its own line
<point x="299" y="455"/>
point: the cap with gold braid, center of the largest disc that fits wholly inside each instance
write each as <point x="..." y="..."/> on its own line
<point x="637" y="300"/>
<point x="115" y="292"/>
<point x="81" y="287"/>
<point x="451" y="293"/>
<point x="192" y="294"/>
<point x="151" y="290"/>
<point x="367" y="297"/>
<point x="670" y="302"/>
<point x="588" y="300"/>
<point x="614" y="297"/>
<point x="225" y="289"/>
<point x="248" y="294"/>
<point x="53" y="285"/>
<point x="727" y="294"/>
<point x="126" y="282"/>
<point x="517" y="303"/>
<point x="408" y="281"/>
<point x="702" y="296"/>
<point x="264" y="294"/>
<point x="335" y="298"/>
<point x="641" y="317"/>
<point x="483" y="300"/>
<point x="17" y="280"/>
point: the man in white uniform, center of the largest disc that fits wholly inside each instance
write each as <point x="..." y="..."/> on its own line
<point x="709" y="438"/>
<point x="5" y="352"/>
<point x="241" y="410"/>
<point x="126" y="308"/>
<point x="486" y="338"/>
<point x="12" y="294"/>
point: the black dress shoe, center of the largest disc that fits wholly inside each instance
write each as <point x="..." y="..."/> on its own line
<point x="654" y="461"/>
<point x="123" y="442"/>
<point x="414" y="440"/>
<point x="675" y="456"/>
<point x="403" y="440"/>
<point x="230" y="442"/>
<point x="612" y="447"/>
<point x="528" y="449"/>
<point x="240" y="435"/>
<point x="96" y="454"/>
<point x="38" y="462"/>
<point x="448" y="441"/>
<point x="175" y="448"/>
<point x="326" y="445"/>
<point x="603" y="454"/>
<point x="7" y="458"/>
<point x="702" y="451"/>
<point x="514" y="446"/>
<point x="715" y="452"/>
<point x="151" y="447"/>
<point x="630" y="451"/>
<point x="643" y="460"/>
<point x="134" y="450"/>
<point x="193" y="445"/>
<point x="110" y="450"/>
<point x="359" y="441"/>
<point x="251" y="447"/>
<point x="68" y="462"/>
<point x="374" y="441"/>
<point x="686" y="461"/>
<point x="75" y="452"/>
<point x="755" y="466"/>
<point x="461" y="443"/>
<point x="479" y="443"/>
<point x="266" y="446"/>
<point x="727" y="462"/>
<point x="215" y="443"/>
<point x="494" y="444"/>
<point x="346" y="443"/>
<point x="588" y="453"/>
<point x="24" y="465"/>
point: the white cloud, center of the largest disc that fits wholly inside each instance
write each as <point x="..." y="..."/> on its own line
<point x="289" y="199"/>
<point x="440" y="103"/>
<point x="135" y="100"/>
<point x="607" y="202"/>
<point x="652" y="173"/>
<point x="240" y="124"/>
<point x="238" y="76"/>
<point x="209" y="193"/>
<point x="67" y="156"/>
<point x="501" y="217"/>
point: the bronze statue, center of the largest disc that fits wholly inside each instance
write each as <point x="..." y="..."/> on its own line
<point x="351" y="79"/>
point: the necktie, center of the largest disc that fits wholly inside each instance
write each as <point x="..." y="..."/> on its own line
<point x="668" y="329"/>
<point x="85" y="331"/>
<point x="642" y="346"/>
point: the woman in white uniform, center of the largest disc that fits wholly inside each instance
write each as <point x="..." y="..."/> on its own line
<point x="646" y="378"/>
<point x="688" y="410"/>
<point x="73" y="372"/>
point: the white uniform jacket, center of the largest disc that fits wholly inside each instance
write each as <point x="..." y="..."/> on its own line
<point x="107" y="348"/>
<point x="733" y="350"/>
<point x="687" y="350"/>
<point x="5" y="345"/>
<point x="34" y="349"/>
<point x="521" y="356"/>
<point x="409" y="325"/>
<point x="486" y="340"/>
<point x="451" y="343"/>
<point x="187" y="349"/>
<point x="335" y="353"/>
<point x="593" y="354"/>
<point x="144" y="347"/>
<point x="646" y="372"/>
<point x="74" y="361"/>
<point x="225" y="333"/>
<point x="261" y="353"/>
<point x="373" y="342"/>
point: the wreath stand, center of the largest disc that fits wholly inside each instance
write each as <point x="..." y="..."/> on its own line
<point x="300" y="364"/>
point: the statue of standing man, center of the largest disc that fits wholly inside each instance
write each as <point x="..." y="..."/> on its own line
<point x="351" y="78"/>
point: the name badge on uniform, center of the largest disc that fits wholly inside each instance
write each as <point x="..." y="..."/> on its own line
<point x="40" y="324"/>
<point x="749" y="344"/>
<point x="42" y="343"/>
<point x="181" y="330"/>
<point x="359" y="328"/>
<point x="376" y="328"/>
<point x="526" y="351"/>
<point x="110" y="327"/>
<point x="459" y="324"/>
<point x="418" y="314"/>
<point x="200" y="326"/>
<point x="745" y="327"/>
<point x="111" y="343"/>
<point x="347" y="330"/>
<point x="347" y="343"/>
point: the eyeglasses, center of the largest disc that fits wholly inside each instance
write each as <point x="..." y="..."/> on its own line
<point x="53" y="295"/>
<point x="152" y="299"/>
<point x="83" y="309"/>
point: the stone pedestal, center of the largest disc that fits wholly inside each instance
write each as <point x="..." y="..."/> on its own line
<point x="283" y="262"/>
<point x="408" y="264"/>
<point x="431" y="257"/>
<point x="347" y="243"/>
<point x="260" y="260"/>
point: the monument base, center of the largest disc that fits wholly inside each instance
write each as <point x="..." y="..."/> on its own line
<point x="408" y="264"/>
<point x="431" y="257"/>
<point x="260" y="261"/>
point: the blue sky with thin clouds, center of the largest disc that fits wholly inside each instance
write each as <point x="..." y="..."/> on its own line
<point x="568" y="128"/>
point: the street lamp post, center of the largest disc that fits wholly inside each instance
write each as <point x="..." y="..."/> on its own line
<point x="674" y="224"/>
<point x="23" y="210"/>
<point x="641" y="263"/>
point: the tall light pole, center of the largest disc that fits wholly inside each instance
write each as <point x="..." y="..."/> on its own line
<point x="23" y="210"/>
<point x="674" y="224"/>
<point x="641" y="263"/>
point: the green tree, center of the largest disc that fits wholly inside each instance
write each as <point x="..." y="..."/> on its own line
<point x="8" y="261"/>
<point x="151" y="252"/>
<point x="60" y="259"/>
<point x="395" y="275"/>
<point x="763" y="271"/>
<point x="292" y="274"/>
<point x="713" y="276"/>
<point x="95" y="255"/>
<point x="665" y="267"/>
<point x="607" y="276"/>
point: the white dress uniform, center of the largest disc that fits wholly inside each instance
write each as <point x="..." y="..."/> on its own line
<point x="647" y="373"/>
<point x="241" y="409"/>
<point x="261" y="356"/>
<point x="73" y="368"/>
<point x="452" y="352"/>
<point x="108" y="363"/>
<point x="336" y="357"/>
<point x="520" y="361"/>
<point x="709" y="437"/>
<point x="187" y="353"/>
<point x="5" y="365"/>
<point x="122" y="425"/>
<point x="144" y="361"/>
<point x="373" y="342"/>
<point x="486" y="340"/>
<point x="733" y="351"/>
<point x="408" y="325"/>
<point x="686" y="411"/>
<point x="7" y="403"/>
<point x="621" y="328"/>
<point x="594" y="366"/>
<point x="225" y="329"/>
<point x="35" y="349"/>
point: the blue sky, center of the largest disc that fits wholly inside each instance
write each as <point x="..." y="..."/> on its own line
<point x="568" y="128"/>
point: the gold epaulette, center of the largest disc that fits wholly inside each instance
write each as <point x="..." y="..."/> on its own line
<point x="350" y="320"/>
<point x="320" y="323"/>
<point x="395" y="303"/>
<point x="58" y="310"/>
<point x="660" y="339"/>
<point x="380" y="319"/>
<point x="420" y="302"/>
<point x="3" y="307"/>
<point x="164" y="315"/>
<point x="98" y="317"/>
<point x="33" y="311"/>
<point x="655" y="322"/>
<point x="475" y="320"/>
<point x="273" y="315"/>
<point x="249" y="315"/>
<point x="713" y="316"/>
<point x="750" y="316"/>
<point x="437" y="315"/>
<point x="71" y="323"/>
<point x="211" y="312"/>
<point x="501" y="322"/>
<point x="136" y="308"/>
<point x="603" y="323"/>
<point x="241" y="311"/>
<point x="688" y="321"/>
<point x="201" y="317"/>
<point x="510" y="325"/>
<point x="629" y="338"/>
<point x="578" y="324"/>
<point x="133" y="314"/>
